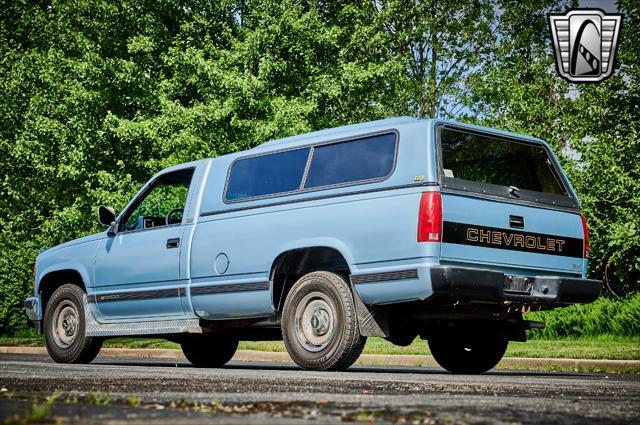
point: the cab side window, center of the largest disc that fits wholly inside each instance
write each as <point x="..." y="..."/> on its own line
<point x="162" y="204"/>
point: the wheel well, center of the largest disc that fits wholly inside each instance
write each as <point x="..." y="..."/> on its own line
<point x="292" y="265"/>
<point x="52" y="281"/>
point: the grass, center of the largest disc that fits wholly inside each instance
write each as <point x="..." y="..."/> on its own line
<point x="37" y="412"/>
<point x="98" y="399"/>
<point x="600" y="347"/>
<point x="603" y="347"/>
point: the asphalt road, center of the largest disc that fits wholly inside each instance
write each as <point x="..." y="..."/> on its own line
<point x="159" y="391"/>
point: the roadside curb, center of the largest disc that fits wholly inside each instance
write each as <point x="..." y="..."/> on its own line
<point x="364" y="360"/>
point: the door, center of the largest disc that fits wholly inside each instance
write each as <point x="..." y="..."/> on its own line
<point x="137" y="271"/>
<point x="507" y="205"/>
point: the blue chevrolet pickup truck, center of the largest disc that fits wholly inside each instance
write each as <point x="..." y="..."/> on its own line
<point x="399" y="228"/>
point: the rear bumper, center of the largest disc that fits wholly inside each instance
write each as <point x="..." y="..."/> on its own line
<point x="490" y="285"/>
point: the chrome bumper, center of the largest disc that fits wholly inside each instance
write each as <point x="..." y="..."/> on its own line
<point x="34" y="312"/>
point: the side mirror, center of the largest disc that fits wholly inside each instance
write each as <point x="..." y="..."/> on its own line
<point x="106" y="215"/>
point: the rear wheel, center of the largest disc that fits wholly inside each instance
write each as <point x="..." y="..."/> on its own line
<point x="467" y="352"/>
<point x="209" y="350"/>
<point x="320" y="324"/>
<point x="64" y="327"/>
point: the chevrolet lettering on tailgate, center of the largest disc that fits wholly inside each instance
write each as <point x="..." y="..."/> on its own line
<point x="514" y="240"/>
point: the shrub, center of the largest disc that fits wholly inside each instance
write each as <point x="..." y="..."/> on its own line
<point x="606" y="316"/>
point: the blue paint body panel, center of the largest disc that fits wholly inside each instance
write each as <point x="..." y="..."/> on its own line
<point x="372" y="224"/>
<point x="136" y="261"/>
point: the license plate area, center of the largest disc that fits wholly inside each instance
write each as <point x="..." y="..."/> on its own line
<point x="518" y="285"/>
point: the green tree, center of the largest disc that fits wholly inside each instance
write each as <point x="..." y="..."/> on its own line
<point x="518" y="88"/>
<point x="428" y="49"/>
<point x="608" y="172"/>
<point x="96" y="96"/>
<point x="99" y="95"/>
<point x="67" y="69"/>
<point x="593" y="126"/>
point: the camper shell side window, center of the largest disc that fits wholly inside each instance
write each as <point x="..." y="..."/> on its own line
<point x="322" y="166"/>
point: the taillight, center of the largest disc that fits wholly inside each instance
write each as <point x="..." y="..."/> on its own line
<point x="430" y="217"/>
<point x="585" y="232"/>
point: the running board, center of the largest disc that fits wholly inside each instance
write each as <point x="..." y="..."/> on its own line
<point x="157" y="327"/>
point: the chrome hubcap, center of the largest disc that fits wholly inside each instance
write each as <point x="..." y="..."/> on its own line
<point x="315" y="319"/>
<point x="65" y="324"/>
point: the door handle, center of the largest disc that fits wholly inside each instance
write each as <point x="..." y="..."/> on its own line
<point x="516" y="221"/>
<point x="173" y="243"/>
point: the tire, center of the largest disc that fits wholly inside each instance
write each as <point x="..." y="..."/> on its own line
<point x="64" y="327"/>
<point x="320" y="324"/>
<point x="468" y="352"/>
<point x="210" y="350"/>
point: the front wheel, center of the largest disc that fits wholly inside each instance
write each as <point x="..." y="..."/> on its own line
<point x="319" y="323"/>
<point x="468" y="352"/>
<point x="64" y="327"/>
<point x="209" y="350"/>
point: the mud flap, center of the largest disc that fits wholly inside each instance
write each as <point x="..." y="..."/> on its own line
<point x="372" y="320"/>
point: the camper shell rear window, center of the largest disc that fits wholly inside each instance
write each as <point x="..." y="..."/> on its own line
<point x="501" y="166"/>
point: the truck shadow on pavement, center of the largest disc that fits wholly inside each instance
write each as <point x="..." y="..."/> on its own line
<point x="354" y="369"/>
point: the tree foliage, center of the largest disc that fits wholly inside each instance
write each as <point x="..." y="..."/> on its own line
<point x="595" y="127"/>
<point x="96" y="96"/>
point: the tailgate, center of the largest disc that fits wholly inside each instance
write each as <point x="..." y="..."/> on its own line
<point x="479" y="231"/>
<point x="506" y="203"/>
